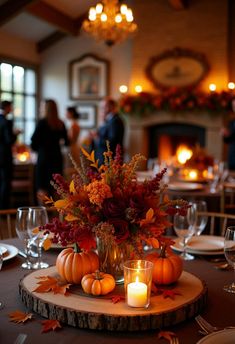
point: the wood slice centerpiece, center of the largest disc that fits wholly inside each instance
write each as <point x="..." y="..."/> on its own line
<point x="99" y="313"/>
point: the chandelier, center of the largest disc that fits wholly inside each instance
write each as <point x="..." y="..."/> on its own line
<point x="110" y="22"/>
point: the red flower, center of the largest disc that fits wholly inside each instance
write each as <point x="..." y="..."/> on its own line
<point x="121" y="231"/>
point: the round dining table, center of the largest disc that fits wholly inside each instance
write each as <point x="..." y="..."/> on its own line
<point x="220" y="308"/>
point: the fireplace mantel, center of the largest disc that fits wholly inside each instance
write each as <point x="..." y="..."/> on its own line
<point x="137" y="129"/>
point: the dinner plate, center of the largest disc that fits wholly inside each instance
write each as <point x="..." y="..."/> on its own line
<point x="3" y="249"/>
<point x="179" y="247"/>
<point x="220" y="337"/>
<point x="12" y="251"/>
<point x="206" y="243"/>
<point x="185" y="186"/>
<point x="144" y="175"/>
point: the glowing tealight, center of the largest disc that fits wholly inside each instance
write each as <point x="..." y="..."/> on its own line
<point x="231" y="85"/>
<point x="138" y="88"/>
<point x="193" y="174"/>
<point x="212" y="87"/>
<point x="123" y="89"/>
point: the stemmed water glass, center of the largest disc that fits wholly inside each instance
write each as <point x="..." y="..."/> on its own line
<point x="184" y="228"/>
<point x="229" y="251"/>
<point x="201" y="219"/>
<point x="1" y="261"/>
<point x="38" y="217"/>
<point x="22" y="221"/>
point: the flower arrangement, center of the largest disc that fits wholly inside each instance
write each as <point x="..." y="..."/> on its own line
<point x="175" y="99"/>
<point x="200" y="159"/>
<point x="107" y="202"/>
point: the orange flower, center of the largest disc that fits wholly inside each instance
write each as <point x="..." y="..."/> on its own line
<point x="98" y="191"/>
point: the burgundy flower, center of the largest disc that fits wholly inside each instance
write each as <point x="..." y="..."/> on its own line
<point x="121" y="231"/>
<point x="114" y="208"/>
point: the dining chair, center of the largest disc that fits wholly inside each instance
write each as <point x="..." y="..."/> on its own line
<point x="218" y="220"/>
<point x="23" y="184"/>
<point x="7" y="223"/>
<point x="227" y="201"/>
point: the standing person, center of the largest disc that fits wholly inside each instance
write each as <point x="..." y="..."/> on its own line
<point x="47" y="138"/>
<point x="7" y="139"/>
<point x="111" y="130"/>
<point x="73" y="132"/>
<point x="229" y="138"/>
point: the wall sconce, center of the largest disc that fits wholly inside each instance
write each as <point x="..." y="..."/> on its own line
<point x="123" y="89"/>
<point x="231" y="85"/>
<point x="212" y="87"/>
<point x="138" y="88"/>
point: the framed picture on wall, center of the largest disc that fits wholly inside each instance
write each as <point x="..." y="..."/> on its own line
<point x="178" y="68"/>
<point x="88" y="78"/>
<point x="87" y="118"/>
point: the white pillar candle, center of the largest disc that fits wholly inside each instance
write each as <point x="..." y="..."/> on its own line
<point x="137" y="294"/>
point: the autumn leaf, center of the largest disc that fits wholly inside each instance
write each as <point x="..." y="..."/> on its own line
<point x="20" y="317"/>
<point x="148" y="218"/>
<point x="71" y="218"/>
<point x="48" y="283"/>
<point x="117" y="298"/>
<point x="90" y="157"/>
<point x="168" y="335"/>
<point x="170" y="293"/>
<point x="72" y="187"/>
<point x="47" y="244"/>
<point x="50" y="325"/>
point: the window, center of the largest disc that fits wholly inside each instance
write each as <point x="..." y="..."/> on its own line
<point x="18" y="84"/>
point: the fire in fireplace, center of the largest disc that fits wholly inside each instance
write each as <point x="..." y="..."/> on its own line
<point x="165" y="139"/>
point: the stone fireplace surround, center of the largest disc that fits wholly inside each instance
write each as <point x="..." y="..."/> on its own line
<point x="138" y="130"/>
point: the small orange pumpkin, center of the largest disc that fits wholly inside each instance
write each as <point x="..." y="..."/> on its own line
<point x="98" y="283"/>
<point x="167" y="268"/>
<point x="72" y="266"/>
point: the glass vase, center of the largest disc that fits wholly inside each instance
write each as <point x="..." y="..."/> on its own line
<point x="112" y="258"/>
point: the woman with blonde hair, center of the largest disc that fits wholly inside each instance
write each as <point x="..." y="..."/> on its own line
<point x="49" y="135"/>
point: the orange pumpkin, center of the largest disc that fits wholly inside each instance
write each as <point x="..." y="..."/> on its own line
<point x="98" y="283"/>
<point x="72" y="266"/>
<point x="167" y="268"/>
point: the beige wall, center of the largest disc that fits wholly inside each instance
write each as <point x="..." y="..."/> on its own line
<point x="202" y="27"/>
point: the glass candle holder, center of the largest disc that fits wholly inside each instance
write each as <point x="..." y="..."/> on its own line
<point x="137" y="282"/>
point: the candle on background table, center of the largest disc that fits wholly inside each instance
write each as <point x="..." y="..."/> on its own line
<point x="137" y="294"/>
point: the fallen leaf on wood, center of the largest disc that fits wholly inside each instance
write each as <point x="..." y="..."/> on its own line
<point x="166" y="335"/>
<point x="50" y="325"/>
<point x="20" y="317"/>
<point x="170" y="293"/>
<point x="117" y="298"/>
<point x="48" y="283"/>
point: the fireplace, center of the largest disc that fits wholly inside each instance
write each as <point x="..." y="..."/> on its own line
<point x="164" y="139"/>
<point x="142" y="134"/>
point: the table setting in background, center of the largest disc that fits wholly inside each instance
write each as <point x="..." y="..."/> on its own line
<point x="104" y="270"/>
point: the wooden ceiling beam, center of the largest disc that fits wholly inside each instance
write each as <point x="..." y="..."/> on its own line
<point x="11" y="8"/>
<point x="54" y="17"/>
<point x="56" y="36"/>
<point x="178" y="4"/>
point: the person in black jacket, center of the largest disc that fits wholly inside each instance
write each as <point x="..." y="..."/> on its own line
<point x="7" y="139"/>
<point x="229" y="138"/>
<point x="47" y="138"/>
<point x="112" y="130"/>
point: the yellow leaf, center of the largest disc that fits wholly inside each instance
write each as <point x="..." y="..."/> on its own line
<point x="70" y="217"/>
<point x="72" y="187"/>
<point x="155" y="243"/>
<point x="84" y="152"/>
<point x="149" y="214"/>
<point x="35" y="230"/>
<point x="47" y="244"/>
<point x="61" y="203"/>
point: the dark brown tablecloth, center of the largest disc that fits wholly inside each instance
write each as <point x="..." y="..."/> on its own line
<point x="220" y="309"/>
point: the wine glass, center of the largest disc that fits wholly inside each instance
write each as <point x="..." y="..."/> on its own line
<point x="22" y="220"/>
<point x="38" y="217"/>
<point x="201" y="219"/>
<point x="1" y="261"/>
<point x="184" y="228"/>
<point x="229" y="251"/>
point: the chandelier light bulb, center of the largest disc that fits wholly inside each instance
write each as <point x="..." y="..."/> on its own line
<point x="99" y="8"/>
<point x="92" y="14"/>
<point x="118" y="18"/>
<point x="129" y="16"/>
<point x="123" y="9"/>
<point x="103" y="17"/>
<point x="231" y="85"/>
